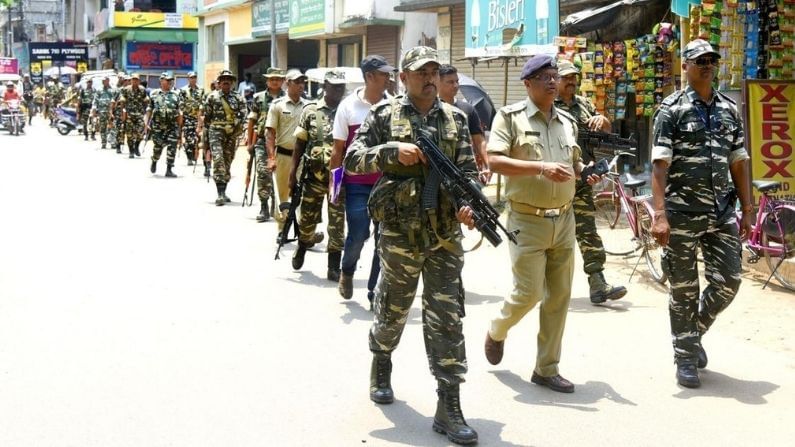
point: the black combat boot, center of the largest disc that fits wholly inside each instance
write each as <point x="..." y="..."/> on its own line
<point x="93" y="136"/>
<point x="298" y="256"/>
<point x="118" y="148"/>
<point x="221" y="187"/>
<point x="264" y="212"/>
<point x="381" y="379"/>
<point x="333" y="273"/>
<point x="104" y="145"/>
<point x="207" y="170"/>
<point x="169" y="172"/>
<point x="601" y="291"/>
<point x="85" y="134"/>
<point x="449" y="419"/>
<point x="152" y="167"/>
<point x="687" y="374"/>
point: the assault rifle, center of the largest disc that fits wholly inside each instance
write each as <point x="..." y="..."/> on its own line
<point x="250" y="180"/>
<point x="292" y="209"/>
<point x="464" y="191"/>
<point x="591" y="140"/>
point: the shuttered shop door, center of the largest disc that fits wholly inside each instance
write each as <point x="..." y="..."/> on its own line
<point x="491" y="76"/>
<point x="383" y="40"/>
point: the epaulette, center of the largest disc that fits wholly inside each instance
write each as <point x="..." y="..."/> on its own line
<point x="515" y="107"/>
<point x="726" y="97"/>
<point x="673" y="98"/>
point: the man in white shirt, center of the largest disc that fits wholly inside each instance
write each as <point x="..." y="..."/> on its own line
<point x="246" y="85"/>
<point x="350" y="115"/>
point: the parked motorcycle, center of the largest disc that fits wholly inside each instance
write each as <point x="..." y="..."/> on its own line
<point x="12" y="117"/>
<point x="66" y="120"/>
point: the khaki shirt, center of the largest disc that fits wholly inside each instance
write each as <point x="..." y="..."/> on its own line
<point x="520" y="131"/>
<point x="283" y="118"/>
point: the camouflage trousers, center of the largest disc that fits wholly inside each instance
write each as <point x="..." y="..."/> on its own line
<point x="691" y="315"/>
<point x="311" y="207"/>
<point x="593" y="252"/>
<point x="223" y="147"/>
<point x="116" y="133"/>
<point x="442" y="301"/>
<point x="264" y="176"/>
<point x="85" y="113"/>
<point x="134" y="130"/>
<point x="165" y="135"/>
<point x="191" y="137"/>
<point x="103" y="118"/>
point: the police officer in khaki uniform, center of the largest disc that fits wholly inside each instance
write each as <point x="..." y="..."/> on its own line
<point x="534" y="145"/>
<point x="280" y="127"/>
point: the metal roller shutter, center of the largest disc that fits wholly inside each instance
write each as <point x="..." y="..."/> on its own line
<point x="384" y="40"/>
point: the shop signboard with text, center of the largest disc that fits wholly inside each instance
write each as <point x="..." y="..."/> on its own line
<point x="154" y="20"/>
<point x="511" y="27"/>
<point x="159" y="56"/>
<point x="9" y="65"/>
<point x="770" y="131"/>
<point x="307" y="18"/>
<point x="44" y="55"/>
<point x="261" y="17"/>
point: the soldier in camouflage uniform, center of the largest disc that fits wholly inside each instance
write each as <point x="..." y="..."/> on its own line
<point x="411" y="242"/>
<point x="165" y="113"/>
<point x="100" y="109"/>
<point x="313" y="144"/>
<point x="274" y="77"/>
<point x="55" y="94"/>
<point x="192" y="98"/>
<point x="117" y="115"/>
<point x="698" y="142"/>
<point x="223" y="114"/>
<point x="593" y="252"/>
<point x="85" y="97"/>
<point x="134" y="100"/>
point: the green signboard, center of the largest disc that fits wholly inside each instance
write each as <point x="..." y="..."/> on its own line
<point x="307" y="18"/>
<point x="261" y="17"/>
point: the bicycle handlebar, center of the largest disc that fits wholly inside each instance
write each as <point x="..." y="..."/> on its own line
<point x="618" y="155"/>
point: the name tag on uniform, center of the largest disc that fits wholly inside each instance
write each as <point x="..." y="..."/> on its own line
<point x="532" y="133"/>
<point x="285" y="112"/>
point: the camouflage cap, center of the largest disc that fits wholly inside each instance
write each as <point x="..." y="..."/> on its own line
<point x="167" y="75"/>
<point x="566" y="68"/>
<point x="416" y="57"/>
<point x="273" y="72"/>
<point x="294" y="74"/>
<point x="696" y="48"/>
<point x="226" y="74"/>
<point x="335" y="76"/>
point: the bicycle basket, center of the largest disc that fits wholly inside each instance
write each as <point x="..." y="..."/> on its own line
<point x="780" y="225"/>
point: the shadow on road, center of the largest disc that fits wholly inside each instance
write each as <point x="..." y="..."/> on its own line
<point x="583" y="305"/>
<point x="715" y="384"/>
<point x="587" y="393"/>
<point x="414" y="429"/>
<point x="356" y="312"/>
<point x="476" y="298"/>
<point x="309" y="278"/>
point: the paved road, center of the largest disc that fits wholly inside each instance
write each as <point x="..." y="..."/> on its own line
<point x="133" y="312"/>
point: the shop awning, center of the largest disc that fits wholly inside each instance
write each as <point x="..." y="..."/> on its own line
<point x="419" y="5"/>
<point x="595" y="19"/>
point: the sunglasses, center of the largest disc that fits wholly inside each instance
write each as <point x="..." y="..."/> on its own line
<point x="547" y="77"/>
<point x="706" y="61"/>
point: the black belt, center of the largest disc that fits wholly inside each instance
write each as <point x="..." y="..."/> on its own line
<point x="284" y="151"/>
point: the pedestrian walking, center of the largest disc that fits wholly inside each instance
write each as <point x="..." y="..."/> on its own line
<point x="313" y="145"/>
<point x="134" y="100"/>
<point x="591" y="247"/>
<point x="274" y="78"/>
<point x="534" y="145"/>
<point x="411" y="242"/>
<point x="117" y="113"/>
<point x="164" y="123"/>
<point x="223" y="115"/>
<point x="356" y="187"/>
<point x="698" y="145"/>
<point x="101" y="110"/>
<point x="192" y="98"/>
<point x="85" y="98"/>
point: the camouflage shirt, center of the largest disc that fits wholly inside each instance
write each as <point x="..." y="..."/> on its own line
<point x="164" y="106"/>
<point x="133" y="100"/>
<point x="581" y="108"/>
<point x="259" y="109"/>
<point x="314" y="127"/>
<point x="102" y="99"/>
<point x="699" y="141"/>
<point x="215" y="115"/>
<point x="56" y="92"/>
<point x="192" y="100"/>
<point x="86" y="95"/>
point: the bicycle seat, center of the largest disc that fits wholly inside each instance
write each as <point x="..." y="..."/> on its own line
<point x="766" y="186"/>
<point x="632" y="184"/>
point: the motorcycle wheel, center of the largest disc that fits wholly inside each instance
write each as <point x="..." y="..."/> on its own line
<point x="63" y="129"/>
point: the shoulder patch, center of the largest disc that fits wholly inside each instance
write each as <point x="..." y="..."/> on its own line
<point x="673" y="98"/>
<point x="515" y="107"/>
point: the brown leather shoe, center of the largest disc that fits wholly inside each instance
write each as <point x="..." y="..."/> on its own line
<point x="554" y="383"/>
<point x="493" y="350"/>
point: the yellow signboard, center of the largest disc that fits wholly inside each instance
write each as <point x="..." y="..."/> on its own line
<point x="155" y="20"/>
<point x="769" y="131"/>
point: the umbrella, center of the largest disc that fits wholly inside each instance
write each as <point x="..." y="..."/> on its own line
<point x="480" y="100"/>
<point x="59" y="71"/>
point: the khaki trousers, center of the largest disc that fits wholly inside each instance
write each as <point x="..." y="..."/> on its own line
<point x="543" y="267"/>
<point x="283" y="165"/>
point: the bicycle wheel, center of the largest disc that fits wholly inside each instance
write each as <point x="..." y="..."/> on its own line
<point x="612" y="225"/>
<point x="652" y="250"/>
<point x="779" y="249"/>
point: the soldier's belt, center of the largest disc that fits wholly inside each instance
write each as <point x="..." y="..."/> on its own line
<point x="523" y="208"/>
<point x="284" y="151"/>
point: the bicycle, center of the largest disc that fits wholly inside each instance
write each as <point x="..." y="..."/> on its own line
<point x="773" y="234"/>
<point x="624" y="221"/>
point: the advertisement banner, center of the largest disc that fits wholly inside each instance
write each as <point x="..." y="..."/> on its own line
<point x="9" y="65"/>
<point x="155" y="20"/>
<point x="159" y="56"/>
<point x="770" y="131"/>
<point x="307" y="18"/>
<point x="261" y="17"/>
<point x="511" y="27"/>
<point x="45" y="55"/>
